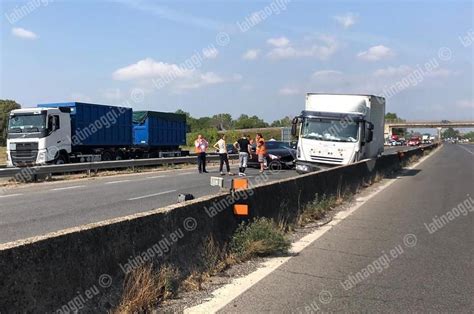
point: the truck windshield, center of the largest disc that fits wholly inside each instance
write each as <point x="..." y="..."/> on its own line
<point x="330" y="130"/>
<point x="27" y="123"/>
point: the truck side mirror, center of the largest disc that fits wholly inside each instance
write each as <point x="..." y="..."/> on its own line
<point x="370" y="136"/>
<point x="50" y="124"/>
<point x="294" y="126"/>
<point x="370" y="133"/>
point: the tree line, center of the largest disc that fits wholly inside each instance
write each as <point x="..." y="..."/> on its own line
<point x="6" y="105"/>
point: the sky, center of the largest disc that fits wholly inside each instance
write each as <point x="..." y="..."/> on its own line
<point x="239" y="57"/>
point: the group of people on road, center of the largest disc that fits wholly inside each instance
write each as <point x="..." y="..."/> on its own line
<point x="243" y="145"/>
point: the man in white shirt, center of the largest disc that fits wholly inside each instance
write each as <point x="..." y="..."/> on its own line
<point x="221" y="146"/>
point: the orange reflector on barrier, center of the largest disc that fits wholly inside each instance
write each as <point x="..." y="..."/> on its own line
<point x="240" y="184"/>
<point x="241" y="210"/>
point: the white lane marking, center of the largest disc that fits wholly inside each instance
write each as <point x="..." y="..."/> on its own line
<point x="10" y="195"/>
<point x="467" y="150"/>
<point x="115" y="182"/>
<point x="151" y="195"/>
<point x="183" y="174"/>
<point x="224" y="295"/>
<point x="68" y="188"/>
<point x="155" y="177"/>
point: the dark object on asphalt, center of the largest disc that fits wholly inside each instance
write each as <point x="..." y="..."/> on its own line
<point x="185" y="197"/>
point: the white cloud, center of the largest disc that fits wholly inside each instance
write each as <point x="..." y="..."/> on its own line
<point x="325" y="73"/>
<point x="251" y="54"/>
<point x="287" y="91"/>
<point x="322" y="50"/>
<point x="149" y="68"/>
<point x="205" y="79"/>
<point x="346" y="20"/>
<point x="278" y="42"/>
<point x="376" y="53"/>
<point x="210" y="53"/>
<point x="23" y="33"/>
<point x="170" y="76"/>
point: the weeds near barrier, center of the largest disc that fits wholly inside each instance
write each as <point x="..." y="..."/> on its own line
<point x="259" y="238"/>
<point x="144" y="288"/>
<point x="195" y="281"/>
<point x="318" y="208"/>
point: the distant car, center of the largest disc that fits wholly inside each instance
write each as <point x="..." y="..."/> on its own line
<point x="279" y="155"/>
<point x="414" y="141"/>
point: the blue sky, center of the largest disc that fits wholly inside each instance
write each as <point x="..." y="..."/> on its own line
<point x="199" y="55"/>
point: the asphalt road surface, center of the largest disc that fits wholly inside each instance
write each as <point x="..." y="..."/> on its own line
<point x="41" y="208"/>
<point x="37" y="209"/>
<point x="351" y="267"/>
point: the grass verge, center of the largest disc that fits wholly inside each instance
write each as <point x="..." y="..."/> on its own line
<point x="260" y="238"/>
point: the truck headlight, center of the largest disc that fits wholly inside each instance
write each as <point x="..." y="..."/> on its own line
<point x="273" y="157"/>
<point x="41" y="157"/>
<point x="302" y="168"/>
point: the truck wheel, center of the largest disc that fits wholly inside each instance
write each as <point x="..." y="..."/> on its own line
<point x="107" y="156"/>
<point x="61" y="160"/>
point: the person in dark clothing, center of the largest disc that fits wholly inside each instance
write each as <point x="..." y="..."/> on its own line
<point x="245" y="150"/>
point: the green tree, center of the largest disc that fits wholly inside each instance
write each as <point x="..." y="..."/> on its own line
<point x="6" y="106"/>
<point x="285" y="122"/>
<point x="391" y="116"/>
<point x="450" y="133"/>
<point x="469" y="136"/>
<point x="222" y="121"/>
<point x="246" y="122"/>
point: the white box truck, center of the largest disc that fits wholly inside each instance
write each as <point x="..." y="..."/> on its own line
<point x="337" y="129"/>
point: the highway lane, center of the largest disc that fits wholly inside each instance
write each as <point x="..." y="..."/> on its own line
<point x="37" y="209"/>
<point x="351" y="267"/>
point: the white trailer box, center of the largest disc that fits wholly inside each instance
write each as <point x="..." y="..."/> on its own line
<point x="339" y="129"/>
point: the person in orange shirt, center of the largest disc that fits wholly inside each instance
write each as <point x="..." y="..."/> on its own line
<point x="261" y="151"/>
<point x="201" y="146"/>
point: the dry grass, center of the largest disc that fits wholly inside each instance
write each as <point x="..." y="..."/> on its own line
<point x="3" y="155"/>
<point x="145" y="288"/>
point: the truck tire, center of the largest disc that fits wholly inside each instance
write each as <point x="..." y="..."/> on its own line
<point x="61" y="159"/>
<point x="107" y="156"/>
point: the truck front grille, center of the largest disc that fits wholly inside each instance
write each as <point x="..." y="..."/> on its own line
<point x="25" y="154"/>
<point x="327" y="159"/>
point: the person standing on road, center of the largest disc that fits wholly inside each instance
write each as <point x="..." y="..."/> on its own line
<point x="221" y="146"/>
<point x="261" y="151"/>
<point x="245" y="150"/>
<point x="201" y="146"/>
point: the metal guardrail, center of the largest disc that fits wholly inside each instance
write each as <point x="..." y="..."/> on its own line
<point x="101" y="165"/>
